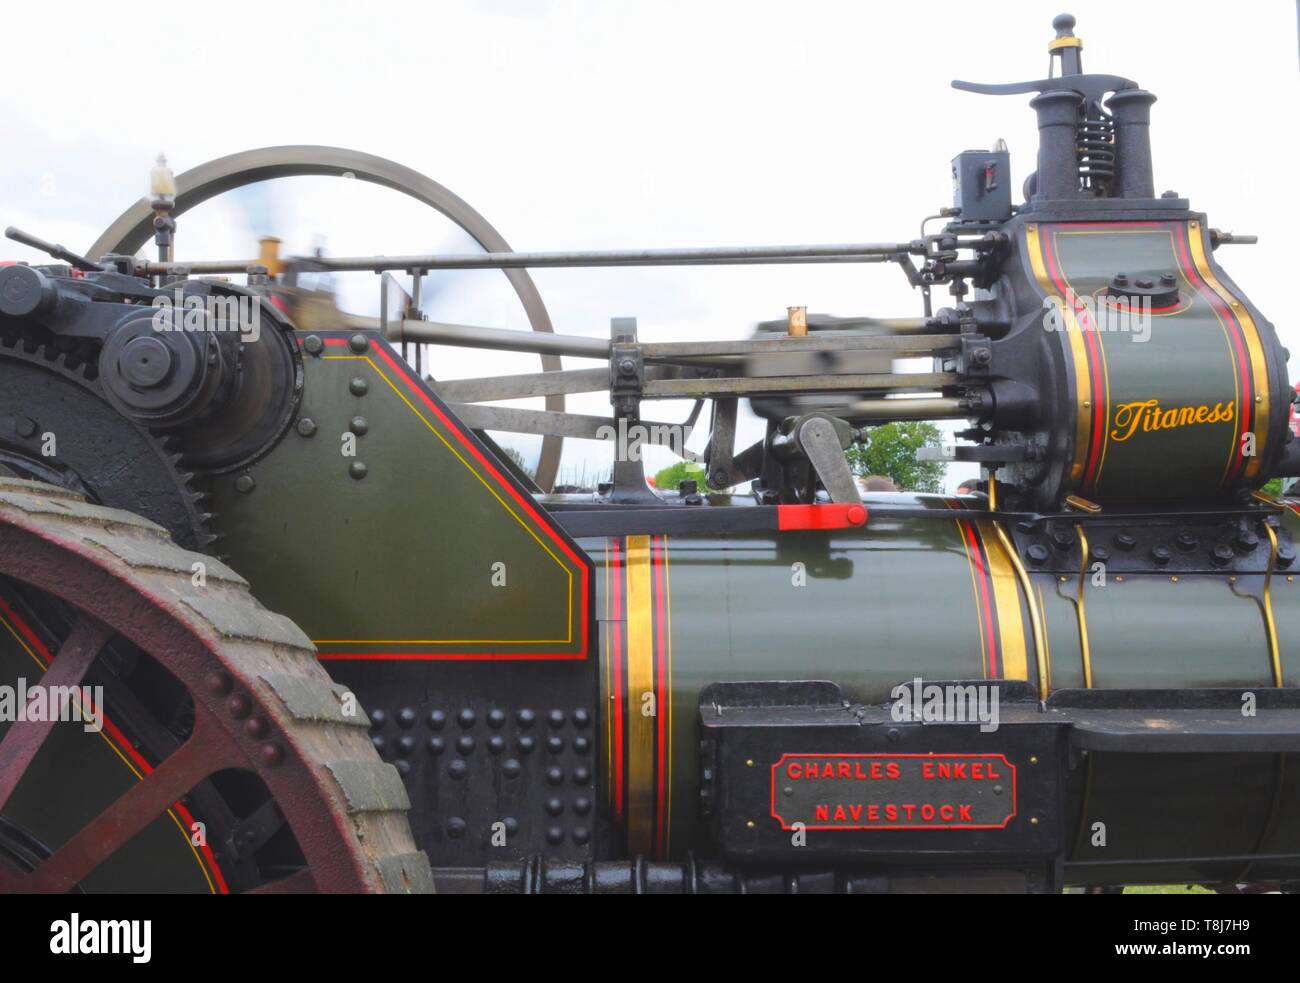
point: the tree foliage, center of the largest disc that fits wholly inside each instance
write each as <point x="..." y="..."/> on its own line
<point x="891" y="451"/>
<point x="671" y="477"/>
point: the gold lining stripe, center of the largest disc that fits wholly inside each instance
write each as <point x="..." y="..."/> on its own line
<point x="640" y="681"/>
<point x="1067" y="42"/>
<point x="1084" y="647"/>
<point x="1035" y="616"/>
<point x="1082" y="378"/>
<point x="1274" y="655"/>
<point x="1006" y="598"/>
<point x="1250" y="332"/>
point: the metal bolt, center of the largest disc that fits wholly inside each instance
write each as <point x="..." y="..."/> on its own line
<point x="313" y="344"/>
<point x="358" y="343"/>
<point x="1160" y="554"/>
<point x="1125" y="541"/>
<point x="1037" y="553"/>
<point x="359" y="426"/>
<point x="358" y="470"/>
<point x="25" y="426"/>
<point x="307" y="426"/>
<point x="358" y="387"/>
<point x="245" y="484"/>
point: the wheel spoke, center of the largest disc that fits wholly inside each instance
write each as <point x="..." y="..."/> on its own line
<point x="26" y="737"/>
<point x="128" y="815"/>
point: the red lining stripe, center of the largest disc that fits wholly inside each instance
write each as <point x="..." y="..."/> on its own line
<point x="546" y="527"/>
<point x="661" y="698"/>
<point x="616" y="548"/>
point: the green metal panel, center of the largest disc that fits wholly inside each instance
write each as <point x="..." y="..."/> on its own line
<point x="417" y="545"/>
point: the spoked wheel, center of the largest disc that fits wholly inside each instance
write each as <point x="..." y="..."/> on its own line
<point x="199" y="745"/>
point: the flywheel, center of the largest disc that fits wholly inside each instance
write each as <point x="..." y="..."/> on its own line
<point x="162" y="731"/>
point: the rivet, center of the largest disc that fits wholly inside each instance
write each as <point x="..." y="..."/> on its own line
<point x="403" y="767"/>
<point x="1033" y="759"/>
<point x="496" y="717"/>
<point x="511" y="824"/>
<point x="377" y="719"/>
<point x="307" y="426"/>
<point x="581" y="718"/>
<point x="436" y="745"/>
<point x="239" y="706"/>
<point x="458" y="768"/>
<point x="581" y="745"/>
<point x="555" y="744"/>
<point x="581" y="835"/>
<point x="1033" y="820"/>
<point x="1173" y="580"/>
<point x="1087" y="404"/>
<point x="582" y="805"/>
<point x="749" y="762"/>
<point x="749" y="824"/>
<point x="1119" y="580"/>
<point x="511" y="767"/>
<point x="554" y="776"/>
<point x="358" y="470"/>
<point x="526" y="717"/>
<point x="25" y="426"/>
<point x="437" y="719"/>
<point x="218" y="683"/>
<point x="465" y="745"/>
<point x="581" y="775"/>
<point x="256" y="727"/>
<point x="358" y="387"/>
<point x="405" y="744"/>
<point x="555" y="836"/>
<point x="456" y="827"/>
<point x="379" y="743"/>
<point x="245" y="484"/>
<point x="496" y="743"/>
<point x="554" y="806"/>
<point x="555" y="718"/>
<point x="359" y="426"/>
<point x="313" y="344"/>
<point x="466" y="718"/>
<point x="526" y="744"/>
<point x="406" y="717"/>
<point x="358" y="343"/>
<point x="272" y="754"/>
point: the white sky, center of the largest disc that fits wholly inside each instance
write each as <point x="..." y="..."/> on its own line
<point x="572" y="124"/>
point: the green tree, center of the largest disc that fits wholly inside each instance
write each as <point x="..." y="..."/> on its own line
<point x="671" y="477"/>
<point x="891" y="451"/>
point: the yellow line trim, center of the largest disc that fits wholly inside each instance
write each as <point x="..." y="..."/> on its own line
<point x="1035" y="618"/>
<point x="1250" y="331"/>
<point x="527" y="528"/>
<point x="1078" y="355"/>
<point x="1084" y="647"/>
<point x="640" y="681"/>
<point x="1270" y="626"/>
<point x="1006" y="599"/>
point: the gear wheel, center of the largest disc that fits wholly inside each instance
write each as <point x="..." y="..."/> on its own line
<point x="57" y="427"/>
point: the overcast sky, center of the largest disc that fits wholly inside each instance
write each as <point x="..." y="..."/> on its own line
<point x="574" y="124"/>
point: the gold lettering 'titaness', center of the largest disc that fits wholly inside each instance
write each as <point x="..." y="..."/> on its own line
<point x="1147" y="415"/>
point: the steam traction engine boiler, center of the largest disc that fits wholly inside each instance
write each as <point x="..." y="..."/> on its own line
<point x="1081" y="674"/>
